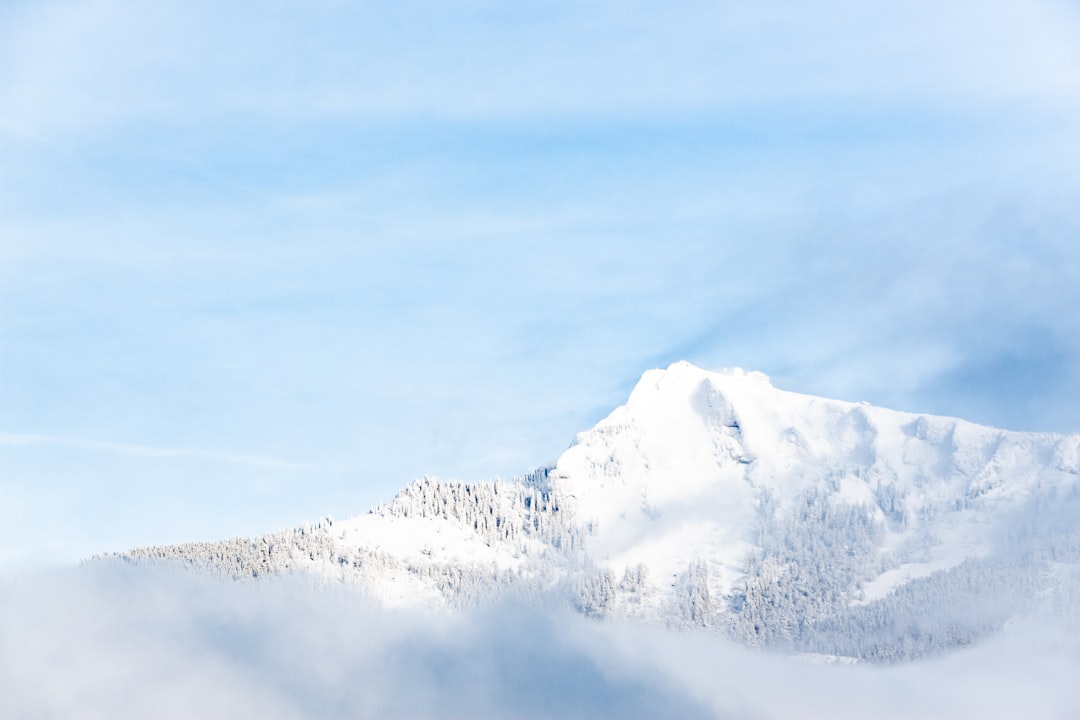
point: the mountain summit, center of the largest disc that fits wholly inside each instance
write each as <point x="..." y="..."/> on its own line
<point x="714" y="499"/>
<point x="697" y="464"/>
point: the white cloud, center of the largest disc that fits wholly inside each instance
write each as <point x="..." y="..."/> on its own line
<point x="121" y="643"/>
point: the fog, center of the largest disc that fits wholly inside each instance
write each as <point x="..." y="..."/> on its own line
<point x="121" y="642"/>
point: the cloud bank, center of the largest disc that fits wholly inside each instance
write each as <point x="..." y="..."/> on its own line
<point x="109" y="642"/>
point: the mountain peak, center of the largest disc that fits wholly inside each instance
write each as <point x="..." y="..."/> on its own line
<point x="661" y="391"/>
<point x="722" y="501"/>
<point x="705" y="450"/>
<point x="681" y="373"/>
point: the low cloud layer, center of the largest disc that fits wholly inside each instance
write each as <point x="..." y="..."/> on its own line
<point x="116" y="644"/>
<point x="121" y="643"/>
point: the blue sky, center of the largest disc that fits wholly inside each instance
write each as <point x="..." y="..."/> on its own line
<point x="259" y="269"/>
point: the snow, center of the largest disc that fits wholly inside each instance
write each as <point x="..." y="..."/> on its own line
<point x="422" y="539"/>
<point x="677" y="473"/>
<point x="686" y="490"/>
<point x="662" y="479"/>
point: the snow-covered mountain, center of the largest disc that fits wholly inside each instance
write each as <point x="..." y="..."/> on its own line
<point x="714" y="499"/>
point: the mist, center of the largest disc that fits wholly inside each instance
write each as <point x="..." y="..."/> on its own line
<point x="123" y="642"/>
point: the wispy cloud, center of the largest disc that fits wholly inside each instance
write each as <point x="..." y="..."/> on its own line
<point x="144" y="451"/>
<point x="481" y="61"/>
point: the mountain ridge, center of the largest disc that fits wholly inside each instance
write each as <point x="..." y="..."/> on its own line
<point x="714" y="499"/>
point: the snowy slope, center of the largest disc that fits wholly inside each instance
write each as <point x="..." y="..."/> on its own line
<point x="715" y="499"/>
<point x="678" y="473"/>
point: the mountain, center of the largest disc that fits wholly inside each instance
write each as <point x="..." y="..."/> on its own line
<point x="714" y="499"/>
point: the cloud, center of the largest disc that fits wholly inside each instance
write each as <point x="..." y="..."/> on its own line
<point x="143" y="451"/>
<point x="113" y="643"/>
<point x="118" y="642"/>
<point x="114" y="61"/>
